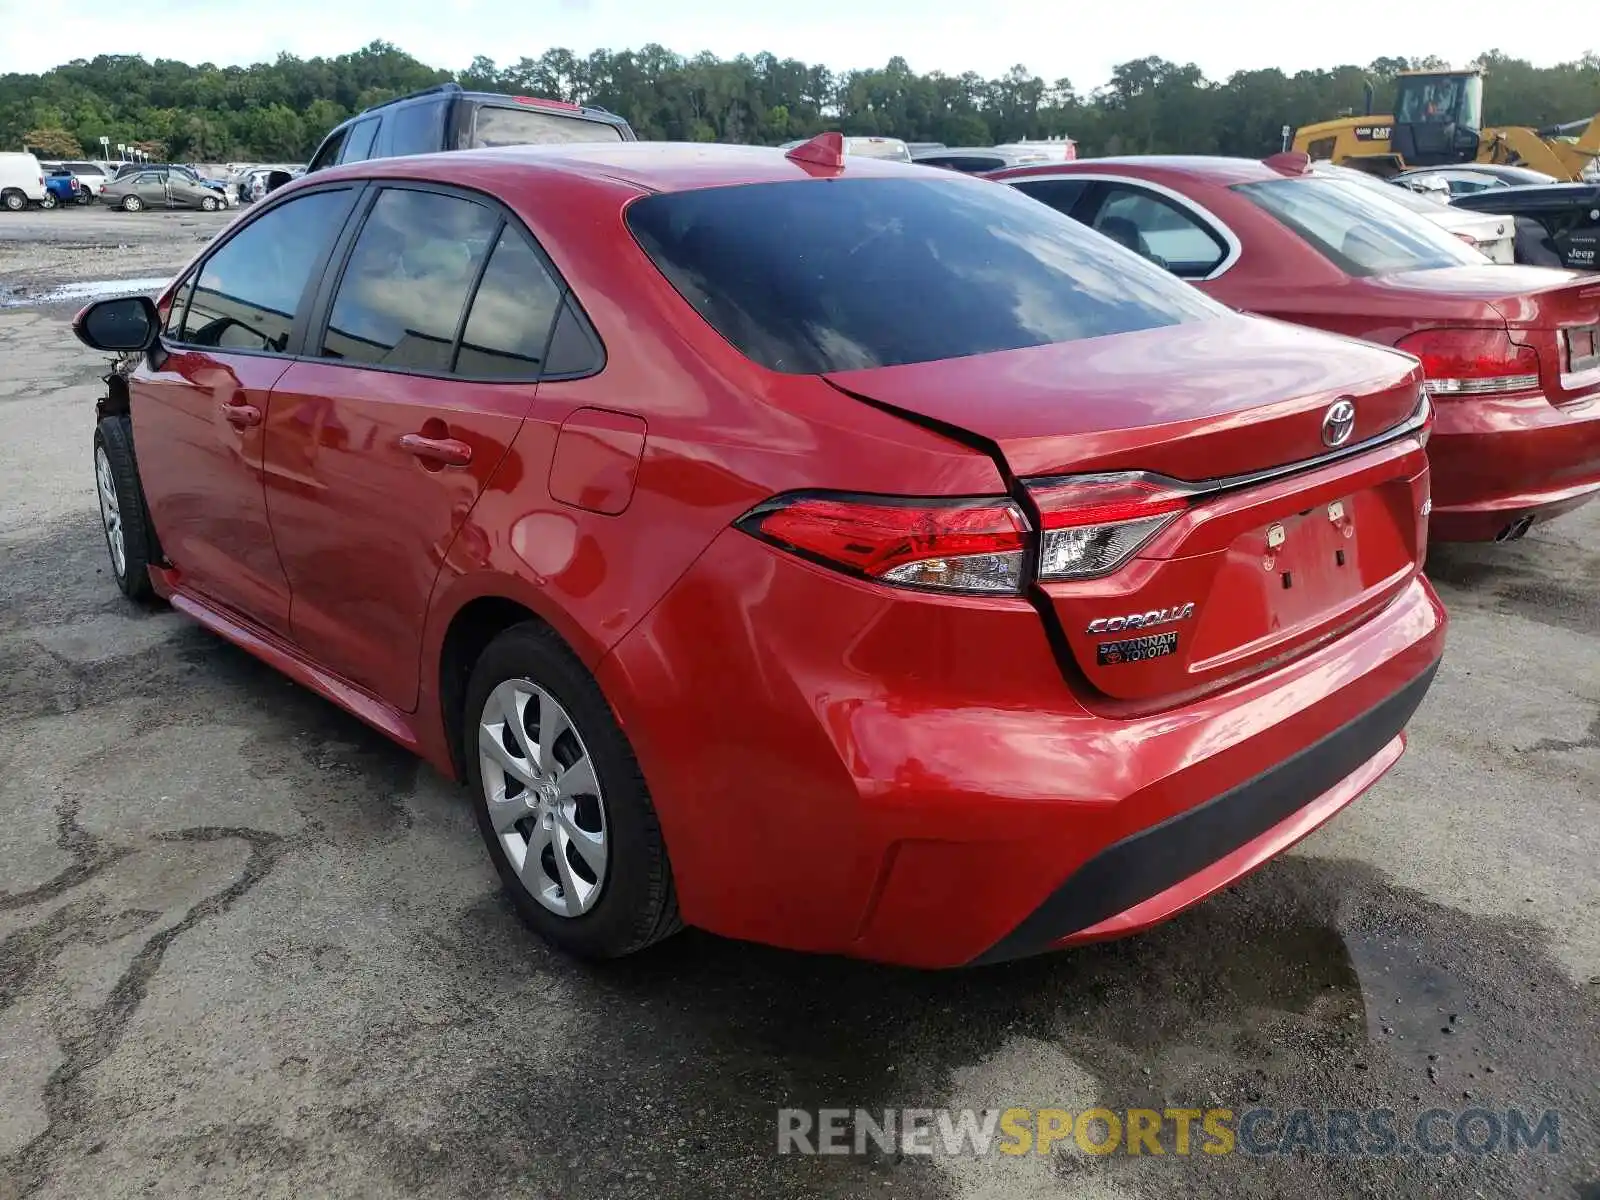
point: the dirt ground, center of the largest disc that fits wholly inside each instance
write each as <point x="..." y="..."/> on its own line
<point x="249" y="948"/>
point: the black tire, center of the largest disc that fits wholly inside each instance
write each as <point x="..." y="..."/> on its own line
<point x="13" y="200"/>
<point x="86" y="197"/>
<point x="114" y="437"/>
<point x="637" y="905"/>
<point x="49" y="201"/>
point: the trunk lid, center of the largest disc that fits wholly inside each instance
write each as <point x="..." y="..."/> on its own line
<point x="1561" y="322"/>
<point x="1278" y="543"/>
<point x="1200" y="400"/>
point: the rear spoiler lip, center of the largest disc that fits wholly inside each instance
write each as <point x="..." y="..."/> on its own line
<point x="1211" y="487"/>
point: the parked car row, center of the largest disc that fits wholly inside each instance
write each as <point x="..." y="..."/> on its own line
<point x="921" y="567"/>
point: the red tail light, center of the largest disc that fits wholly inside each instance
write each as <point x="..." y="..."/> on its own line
<point x="942" y="545"/>
<point x="1472" y="362"/>
<point x="1092" y="524"/>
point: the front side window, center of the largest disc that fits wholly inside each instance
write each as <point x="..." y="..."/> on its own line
<point x="1360" y="230"/>
<point x="248" y="291"/>
<point x="400" y="300"/>
<point x="1155" y="228"/>
<point x="1060" y="194"/>
<point x="328" y="152"/>
<point x="826" y="275"/>
<point x="358" y="145"/>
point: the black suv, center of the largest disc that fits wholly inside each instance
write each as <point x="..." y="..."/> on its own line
<point x="448" y="117"/>
<point x="1558" y="224"/>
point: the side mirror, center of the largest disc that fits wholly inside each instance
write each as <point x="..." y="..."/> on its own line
<point x="124" y="325"/>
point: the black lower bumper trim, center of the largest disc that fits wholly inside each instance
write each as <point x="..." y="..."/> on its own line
<point x="1152" y="860"/>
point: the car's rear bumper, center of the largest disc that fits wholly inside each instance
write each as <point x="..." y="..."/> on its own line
<point x="910" y="779"/>
<point x="1499" y="464"/>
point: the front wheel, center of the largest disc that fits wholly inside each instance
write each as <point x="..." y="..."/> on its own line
<point x="129" y="538"/>
<point x="209" y="204"/>
<point x="561" y="801"/>
<point x="132" y="204"/>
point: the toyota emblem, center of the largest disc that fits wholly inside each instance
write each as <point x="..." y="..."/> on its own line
<point x="1338" y="423"/>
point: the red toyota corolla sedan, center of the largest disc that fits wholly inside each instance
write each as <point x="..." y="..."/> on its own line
<point x="1512" y="354"/>
<point x="812" y="549"/>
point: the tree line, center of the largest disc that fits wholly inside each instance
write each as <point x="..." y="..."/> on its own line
<point x="279" y="111"/>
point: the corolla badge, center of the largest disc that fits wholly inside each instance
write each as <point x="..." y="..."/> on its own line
<point x="1144" y="620"/>
<point x="1338" y="423"/>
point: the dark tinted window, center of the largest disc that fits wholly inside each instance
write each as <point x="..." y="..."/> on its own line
<point x="248" y="290"/>
<point x="402" y="294"/>
<point x="574" y="348"/>
<point x="358" y="145"/>
<point x="1059" y="194"/>
<point x="831" y="275"/>
<point x="173" y="326"/>
<point x="416" y="128"/>
<point x="494" y="125"/>
<point x="328" y="152"/>
<point x="511" y="314"/>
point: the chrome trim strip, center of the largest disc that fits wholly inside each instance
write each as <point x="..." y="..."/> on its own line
<point x="1211" y="487"/>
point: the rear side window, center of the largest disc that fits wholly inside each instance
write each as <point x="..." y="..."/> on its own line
<point x="494" y="125"/>
<point x="1360" y="231"/>
<point x="400" y="300"/>
<point x="511" y="315"/>
<point x="358" y="145"/>
<point x="838" y="274"/>
<point x="416" y="128"/>
<point x="248" y="291"/>
<point x="1157" y="229"/>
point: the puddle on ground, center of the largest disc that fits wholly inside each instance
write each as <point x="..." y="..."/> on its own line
<point x="97" y="289"/>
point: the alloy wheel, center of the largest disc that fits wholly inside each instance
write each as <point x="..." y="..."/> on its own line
<point x="110" y="511"/>
<point x="543" y="797"/>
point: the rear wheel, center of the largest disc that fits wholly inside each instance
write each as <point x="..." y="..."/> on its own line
<point x="13" y="200"/>
<point x="49" y="200"/>
<point x="132" y="204"/>
<point x="129" y="538"/>
<point x="561" y="802"/>
<point x="86" y="197"/>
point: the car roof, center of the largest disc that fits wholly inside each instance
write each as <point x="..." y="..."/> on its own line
<point x="650" y="166"/>
<point x="1532" y="196"/>
<point x="1216" y="169"/>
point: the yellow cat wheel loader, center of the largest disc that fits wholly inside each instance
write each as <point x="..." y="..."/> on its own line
<point x="1438" y="121"/>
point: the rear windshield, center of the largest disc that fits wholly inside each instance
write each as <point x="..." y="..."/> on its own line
<point x="1359" y="229"/>
<point x="497" y="126"/>
<point x="838" y="274"/>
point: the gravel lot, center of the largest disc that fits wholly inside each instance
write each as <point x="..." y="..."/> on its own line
<point x="249" y="948"/>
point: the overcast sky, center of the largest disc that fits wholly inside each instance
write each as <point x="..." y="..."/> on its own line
<point x="1082" y="42"/>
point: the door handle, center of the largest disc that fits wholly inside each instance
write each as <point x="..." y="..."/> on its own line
<point x="447" y="452"/>
<point x="242" y="416"/>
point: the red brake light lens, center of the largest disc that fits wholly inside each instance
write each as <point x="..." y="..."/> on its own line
<point x="1472" y="362"/>
<point x="543" y="102"/>
<point x="1092" y="524"/>
<point x="974" y="546"/>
